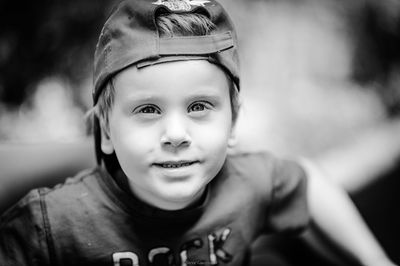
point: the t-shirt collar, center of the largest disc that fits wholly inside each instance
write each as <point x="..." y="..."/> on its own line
<point x="117" y="187"/>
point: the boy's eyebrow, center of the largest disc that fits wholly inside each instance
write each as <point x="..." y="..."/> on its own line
<point x="142" y="96"/>
<point x="208" y="95"/>
<point x="152" y="96"/>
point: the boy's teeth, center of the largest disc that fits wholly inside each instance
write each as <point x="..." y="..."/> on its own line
<point x="169" y="165"/>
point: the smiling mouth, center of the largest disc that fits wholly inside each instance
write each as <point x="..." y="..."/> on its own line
<point x="178" y="164"/>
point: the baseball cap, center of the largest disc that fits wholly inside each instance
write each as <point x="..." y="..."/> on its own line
<point x="130" y="37"/>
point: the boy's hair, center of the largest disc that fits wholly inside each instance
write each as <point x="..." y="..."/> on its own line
<point x="170" y="25"/>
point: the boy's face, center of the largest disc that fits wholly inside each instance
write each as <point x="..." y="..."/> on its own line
<point x="170" y="127"/>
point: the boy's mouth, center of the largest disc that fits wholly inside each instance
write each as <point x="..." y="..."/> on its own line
<point x="174" y="164"/>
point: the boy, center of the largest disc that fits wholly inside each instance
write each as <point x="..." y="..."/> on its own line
<point x="165" y="93"/>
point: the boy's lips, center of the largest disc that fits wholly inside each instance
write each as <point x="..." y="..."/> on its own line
<point x="174" y="164"/>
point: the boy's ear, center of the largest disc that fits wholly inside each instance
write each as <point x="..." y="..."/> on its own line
<point x="107" y="146"/>
<point x="232" y="141"/>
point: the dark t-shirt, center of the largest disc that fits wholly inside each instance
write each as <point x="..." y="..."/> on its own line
<point x="90" y="220"/>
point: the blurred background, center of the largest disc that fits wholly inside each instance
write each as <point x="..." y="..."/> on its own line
<point x="320" y="78"/>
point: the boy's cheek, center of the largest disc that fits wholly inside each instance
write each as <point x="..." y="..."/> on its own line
<point x="129" y="134"/>
<point x="137" y="144"/>
<point x="219" y="132"/>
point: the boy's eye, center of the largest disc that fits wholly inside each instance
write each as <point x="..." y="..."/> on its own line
<point x="147" y="109"/>
<point x="198" y="107"/>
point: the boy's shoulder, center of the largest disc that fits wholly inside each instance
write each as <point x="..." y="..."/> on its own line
<point x="34" y="202"/>
<point x="276" y="185"/>
<point x="260" y="162"/>
<point x="264" y="171"/>
<point x="73" y="186"/>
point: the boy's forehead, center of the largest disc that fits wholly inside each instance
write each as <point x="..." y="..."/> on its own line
<point x="191" y="78"/>
<point x="193" y="74"/>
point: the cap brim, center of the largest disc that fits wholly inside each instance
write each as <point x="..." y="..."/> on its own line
<point x="174" y="58"/>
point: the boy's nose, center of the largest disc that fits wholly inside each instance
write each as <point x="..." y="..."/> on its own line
<point x="175" y="133"/>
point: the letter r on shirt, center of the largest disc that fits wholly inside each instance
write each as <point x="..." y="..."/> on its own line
<point x="118" y="256"/>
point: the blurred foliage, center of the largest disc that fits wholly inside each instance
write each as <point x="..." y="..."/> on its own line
<point x="377" y="51"/>
<point x="46" y="38"/>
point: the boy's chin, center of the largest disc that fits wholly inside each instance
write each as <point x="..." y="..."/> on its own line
<point x="180" y="199"/>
